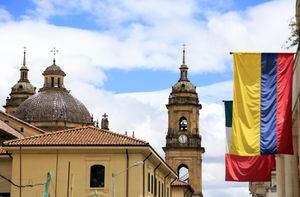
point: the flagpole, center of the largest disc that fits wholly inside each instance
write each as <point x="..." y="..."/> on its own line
<point x="231" y="53"/>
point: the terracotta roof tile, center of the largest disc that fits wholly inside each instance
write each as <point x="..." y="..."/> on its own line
<point x="2" y="151"/>
<point x="86" y="136"/>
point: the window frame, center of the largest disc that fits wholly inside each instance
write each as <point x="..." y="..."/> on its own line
<point x="149" y="182"/>
<point x="101" y="167"/>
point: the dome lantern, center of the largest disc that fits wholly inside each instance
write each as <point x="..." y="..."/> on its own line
<point x="24" y="70"/>
<point x="183" y="68"/>
<point x="53" y="75"/>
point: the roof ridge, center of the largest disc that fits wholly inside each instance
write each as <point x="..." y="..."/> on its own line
<point x="74" y="130"/>
<point x="21" y="121"/>
<point x="122" y="135"/>
<point x="43" y="134"/>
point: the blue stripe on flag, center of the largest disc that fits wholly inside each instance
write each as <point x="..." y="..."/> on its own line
<point x="268" y="113"/>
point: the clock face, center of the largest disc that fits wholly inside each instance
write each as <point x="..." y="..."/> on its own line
<point x="182" y="139"/>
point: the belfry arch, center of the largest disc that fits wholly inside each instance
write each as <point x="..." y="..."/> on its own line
<point x="183" y="124"/>
<point x="183" y="172"/>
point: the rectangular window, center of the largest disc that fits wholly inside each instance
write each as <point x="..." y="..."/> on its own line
<point x="158" y="188"/>
<point x="162" y="190"/>
<point x="4" y="194"/>
<point x="152" y="184"/>
<point x="58" y="82"/>
<point x="155" y="187"/>
<point x="148" y="182"/>
<point x="52" y="82"/>
<point x="97" y="176"/>
<point x="168" y="192"/>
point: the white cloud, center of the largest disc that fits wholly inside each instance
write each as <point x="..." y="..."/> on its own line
<point x="152" y="35"/>
<point x="151" y="39"/>
<point x="4" y="16"/>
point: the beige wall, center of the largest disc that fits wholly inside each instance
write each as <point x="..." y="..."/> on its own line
<point x="22" y="128"/>
<point x="177" y="191"/>
<point x="5" y="170"/>
<point x="58" y="125"/>
<point x="193" y="160"/>
<point x="188" y="111"/>
<point x="35" y="166"/>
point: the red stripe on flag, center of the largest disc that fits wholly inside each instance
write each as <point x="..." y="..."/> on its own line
<point x="249" y="168"/>
<point x="285" y="65"/>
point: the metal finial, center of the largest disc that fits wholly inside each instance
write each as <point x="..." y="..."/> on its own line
<point x="183" y="54"/>
<point x="24" y="57"/>
<point x="104" y="115"/>
<point x="97" y="123"/>
<point x="54" y="51"/>
<point x="92" y="118"/>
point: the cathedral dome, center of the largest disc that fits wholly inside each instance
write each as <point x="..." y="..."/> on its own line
<point x="53" y="105"/>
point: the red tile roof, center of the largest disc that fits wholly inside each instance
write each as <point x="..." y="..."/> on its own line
<point x="86" y="136"/>
<point x="2" y="151"/>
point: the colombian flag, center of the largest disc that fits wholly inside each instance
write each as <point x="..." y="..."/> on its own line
<point x="261" y="114"/>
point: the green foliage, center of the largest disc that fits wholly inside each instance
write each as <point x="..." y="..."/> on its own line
<point x="294" y="38"/>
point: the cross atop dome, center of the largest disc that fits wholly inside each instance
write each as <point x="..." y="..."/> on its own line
<point x="54" y="51"/>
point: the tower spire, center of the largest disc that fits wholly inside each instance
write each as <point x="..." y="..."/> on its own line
<point x="183" y="54"/>
<point x="183" y="68"/>
<point x="24" y="69"/>
<point x="24" y="57"/>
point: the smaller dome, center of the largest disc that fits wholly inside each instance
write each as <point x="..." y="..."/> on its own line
<point x="54" y="70"/>
<point x="24" y="68"/>
<point x="184" y="87"/>
<point x="23" y="87"/>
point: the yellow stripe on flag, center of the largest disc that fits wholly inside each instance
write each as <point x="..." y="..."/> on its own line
<point x="245" y="137"/>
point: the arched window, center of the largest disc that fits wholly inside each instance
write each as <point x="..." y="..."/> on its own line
<point x="58" y="82"/>
<point x="183" y="173"/>
<point x="52" y="82"/>
<point x="97" y="176"/>
<point x="183" y="123"/>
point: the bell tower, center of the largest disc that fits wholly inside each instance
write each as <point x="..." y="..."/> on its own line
<point x="183" y="141"/>
<point x="20" y="91"/>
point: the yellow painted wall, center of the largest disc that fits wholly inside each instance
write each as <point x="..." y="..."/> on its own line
<point x="5" y="170"/>
<point x="36" y="165"/>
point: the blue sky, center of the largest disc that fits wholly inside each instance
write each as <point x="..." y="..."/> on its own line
<point x="121" y="57"/>
<point x="119" y="80"/>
